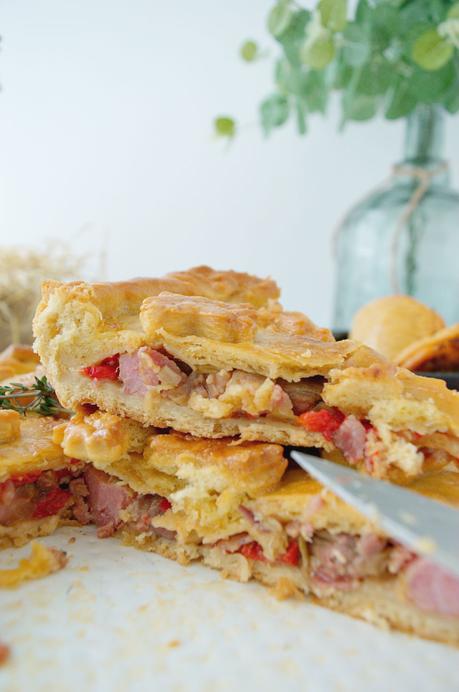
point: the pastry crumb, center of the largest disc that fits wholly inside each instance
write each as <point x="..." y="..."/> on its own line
<point x="174" y="643"/>
<point x="5" y="653"/>
<point x="285" y="588"/>
<point x="41" y="562"/>
<point x="72" y="539"/>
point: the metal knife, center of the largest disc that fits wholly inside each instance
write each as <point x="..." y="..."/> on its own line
<point x="427" y="527"/>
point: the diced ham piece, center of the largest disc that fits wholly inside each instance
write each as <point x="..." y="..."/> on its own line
<point x="17" y="503"/>
<point x="432" y="588"/>
<point x="146" y="368"/>
<point x="350" y="439"/>
<point x="340" y="560"/>
<point x="106" y="499"/>
<point x="281" y="404"/>
<point x="304" y="395"/>
<point x="216" y="383"/>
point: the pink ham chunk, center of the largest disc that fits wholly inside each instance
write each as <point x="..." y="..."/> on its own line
<point x="147" y="368"/>
<point x="350" y="438"/>
<point x="432" y="588"/>
<point x="105" y="500"/>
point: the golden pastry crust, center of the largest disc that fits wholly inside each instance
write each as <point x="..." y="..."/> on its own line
<point x="120" y="301"/>
<point x="391" y="323"/>
<point x="185" y="315"/>
<point x="143" y="457"/>
<point x="298" y="497"/>
<point x="30" y="448"/>
<point x="269" y="353"/>
<point x="439" y="352"/>
<point x="396" y="397"/>
<point x="17" y="360"/>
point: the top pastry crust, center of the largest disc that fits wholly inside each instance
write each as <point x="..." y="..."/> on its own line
<point x="119" y="301"/>
<point x="27" y="446"/>
<point x="214" y="335"/>
<point x="17" y="360"/>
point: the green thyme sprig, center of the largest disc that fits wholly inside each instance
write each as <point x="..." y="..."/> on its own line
<point x="44" y="400"/>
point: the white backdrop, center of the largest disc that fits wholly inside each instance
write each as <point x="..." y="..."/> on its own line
<point x="106" y="139"/>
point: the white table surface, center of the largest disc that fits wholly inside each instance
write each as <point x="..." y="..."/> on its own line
<point x="119" y="619"/>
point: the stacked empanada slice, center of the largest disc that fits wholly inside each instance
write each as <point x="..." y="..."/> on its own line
<point x="185" y="390"/>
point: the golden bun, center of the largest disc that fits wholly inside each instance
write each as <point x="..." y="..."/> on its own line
<point x="392" y="323"/>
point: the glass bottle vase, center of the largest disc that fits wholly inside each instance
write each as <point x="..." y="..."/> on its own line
<point x="404" y="236"/>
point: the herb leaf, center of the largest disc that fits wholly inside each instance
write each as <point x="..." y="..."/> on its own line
<point x="37" y="398"/>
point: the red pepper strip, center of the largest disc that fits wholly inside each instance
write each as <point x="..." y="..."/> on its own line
<point x="164" y="505"/>
<point x="254" y="551"/>
<point x="291" y="555"/>
<point x="51" y="503"/>
<point x="107" y="369"/>
<point x="25" y="478"/>
<point x="325" y="421"/>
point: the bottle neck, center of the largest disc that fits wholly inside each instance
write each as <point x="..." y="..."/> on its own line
<point x="424" y="140"/>
<point x="424" y="135"/>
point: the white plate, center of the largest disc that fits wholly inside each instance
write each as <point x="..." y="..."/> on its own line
<point x="119" y="619"/>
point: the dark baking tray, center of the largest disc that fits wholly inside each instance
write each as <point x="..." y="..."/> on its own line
<point x="451" y="378"/>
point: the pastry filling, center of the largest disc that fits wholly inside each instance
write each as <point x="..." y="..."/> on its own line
<point x="327" y="561"/>
<point x="234" y="393"/>
<point x="217" y="395"/>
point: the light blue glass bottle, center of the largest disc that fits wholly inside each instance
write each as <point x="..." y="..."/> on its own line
<point x="404" y="237"/>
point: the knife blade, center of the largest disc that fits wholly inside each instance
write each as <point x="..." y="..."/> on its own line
<point x="427" y="527"/>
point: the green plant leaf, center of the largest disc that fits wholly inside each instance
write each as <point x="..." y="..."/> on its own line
<point x="274" y="112"/>
<point x="358" y="106"/>
<point x="249" y="51"/>
<point x="279" y="18"/>
<point x="431" y="51"/>
<point x="319" y="52"/>
<point x="375" y="77"/>
<point x="293" y="37"/>
<point x="401" y="100"/>
<point x="356" y="46"/>
<point x="315" y="91"/>
<point x="333" y="14"/>
<point x="430" y="87"/>
<point x="225" y="126"/>
<point x="453" y="12"/>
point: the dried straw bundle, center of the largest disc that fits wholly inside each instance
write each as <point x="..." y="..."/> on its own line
<point x="21" y="272"/>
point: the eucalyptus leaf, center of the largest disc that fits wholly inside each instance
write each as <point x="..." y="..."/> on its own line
<point x="314" y="91"/>
<point x="249" y="51"/>
<point x="279" y="18"/>
<point x="225" y="126"/>
<point x="356" y="45"/>
<point x="358" y="106"/>
<point x="401" y="100"/>
<point x="375" y="77"/>
<point x="274" y="112"/>
<point x="431" y="51"/>
<point x="333" y="14"/>
<point x="430" y="87"/>
<point x="319" y="52"/>
<point x="292" y="39"/>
